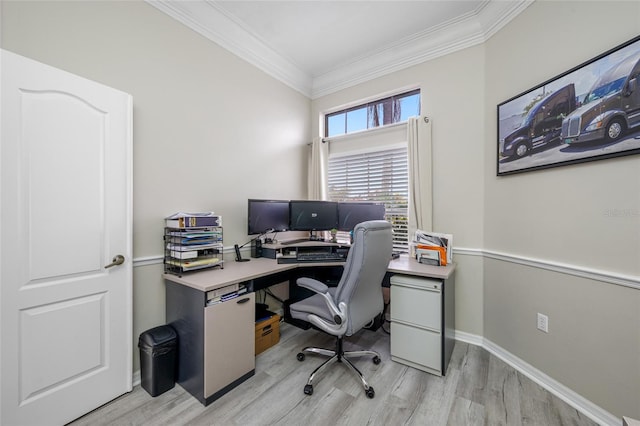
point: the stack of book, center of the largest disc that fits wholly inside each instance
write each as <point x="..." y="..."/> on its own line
<point x="223" y="294"/>
<point x="192" y="220"/>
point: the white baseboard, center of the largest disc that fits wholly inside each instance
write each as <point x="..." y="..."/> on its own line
<point x="577" y="401"/>
<point x="136" y="378"/>
<point x="473" y="339"/>
<point x="567" y="395"/>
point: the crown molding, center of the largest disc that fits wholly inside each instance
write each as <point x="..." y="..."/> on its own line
<point x="466" y="31"/>
<point x="208" y="19"/>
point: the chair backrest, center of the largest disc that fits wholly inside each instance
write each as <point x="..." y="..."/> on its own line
<point x="367" y="262"/>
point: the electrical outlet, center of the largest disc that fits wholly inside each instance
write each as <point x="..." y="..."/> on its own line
<point x="543" y="322"/>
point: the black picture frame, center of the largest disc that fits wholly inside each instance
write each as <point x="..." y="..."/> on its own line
<point x="591" y="112"/>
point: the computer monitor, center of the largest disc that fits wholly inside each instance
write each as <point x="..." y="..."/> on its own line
<point x="352" y="213"/>
<point x="312" y="215"/>
<point x="267" y="216"/>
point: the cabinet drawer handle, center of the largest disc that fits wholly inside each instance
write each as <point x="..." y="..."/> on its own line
<point x="241" y="301"/>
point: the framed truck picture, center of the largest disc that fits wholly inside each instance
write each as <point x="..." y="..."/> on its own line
<point x="590" y="112"/>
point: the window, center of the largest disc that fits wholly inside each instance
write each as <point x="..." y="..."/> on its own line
<point x="394" y="109"/>
<point x="373" y="165"/>
<point x="380" y="176"/>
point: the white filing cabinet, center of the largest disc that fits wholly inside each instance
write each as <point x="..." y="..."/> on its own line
<point x="422" y="322"/>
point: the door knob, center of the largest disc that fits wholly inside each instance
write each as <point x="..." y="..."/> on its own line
<point x="117" y="260"/>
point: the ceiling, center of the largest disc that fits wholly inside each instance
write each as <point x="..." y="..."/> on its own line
<point x="319" y="47"/>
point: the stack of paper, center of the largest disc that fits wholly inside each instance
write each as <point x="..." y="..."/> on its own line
<point x="433" y="248"/>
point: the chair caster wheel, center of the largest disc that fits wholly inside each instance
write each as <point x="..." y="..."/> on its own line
<point x="308" y="389"/>
<point x="376" y="360"/>
<point x="370" y="392"/>
<point x="300" y="357"/>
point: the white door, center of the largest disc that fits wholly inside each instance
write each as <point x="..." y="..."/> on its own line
<point x="65" y="179"/>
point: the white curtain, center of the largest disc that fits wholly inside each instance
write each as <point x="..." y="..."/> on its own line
<point x="317" y="179"/>
<point x="420" y="192"/>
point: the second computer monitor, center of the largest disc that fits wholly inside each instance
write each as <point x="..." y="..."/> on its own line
<point x="312" y="215"/>
<point x="352" y="213"/>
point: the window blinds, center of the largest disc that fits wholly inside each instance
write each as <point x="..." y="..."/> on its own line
<point x="376" y="175"/>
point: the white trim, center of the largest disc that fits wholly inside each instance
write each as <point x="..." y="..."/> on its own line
<point x="213" y="22"/>
<point x="468" y="251"/>
<point x="472" y="339"/>
<point x="364" y="132"/>
<point x="577" y="401"/>
<point x="209" y="20"/>
<point x="368" y="150"/>
<point x="158" y="259"/>
<point x="397" y="57"/>
<point x="450" y="37"/>
<point x="148" y="260"/>
<point x="363" y="101"/>
<point x="562" y="268"/>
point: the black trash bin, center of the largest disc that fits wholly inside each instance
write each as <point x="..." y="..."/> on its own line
<point x="158" y="356"/>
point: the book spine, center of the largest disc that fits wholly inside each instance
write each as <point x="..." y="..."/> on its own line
<point x="194" y="221"/>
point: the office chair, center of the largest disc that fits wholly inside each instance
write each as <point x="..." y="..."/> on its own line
<point x="345" y="309"/>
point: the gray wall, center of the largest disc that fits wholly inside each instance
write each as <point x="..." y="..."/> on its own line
<point x="210" y="130"/>
<point x="560" y="216"/>
<point x="510" y="233"/>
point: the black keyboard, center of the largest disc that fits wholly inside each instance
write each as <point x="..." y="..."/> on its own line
<point x="313" y="257"/>
<point x="319" y="257"/>
<point x="319" y="260"/>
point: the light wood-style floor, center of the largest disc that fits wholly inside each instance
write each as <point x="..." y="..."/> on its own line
<point x="478" y="389"/>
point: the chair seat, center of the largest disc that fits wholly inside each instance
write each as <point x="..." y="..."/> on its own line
<point x="315" y="304"/>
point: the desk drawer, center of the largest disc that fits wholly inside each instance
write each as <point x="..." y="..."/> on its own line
<point x="421" y="348"/>
<point x="422" y="307"/>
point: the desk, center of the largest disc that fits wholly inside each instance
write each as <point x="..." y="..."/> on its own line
<point x="208" y="369"/>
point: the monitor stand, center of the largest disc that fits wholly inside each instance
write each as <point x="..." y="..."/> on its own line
<point x="303" y="240"/>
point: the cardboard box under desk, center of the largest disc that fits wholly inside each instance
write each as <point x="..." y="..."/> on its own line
<point x="267" y="333"/>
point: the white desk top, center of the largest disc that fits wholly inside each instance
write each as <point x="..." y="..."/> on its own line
<point x="409" y="266"/>
<point x="237" y="272"/>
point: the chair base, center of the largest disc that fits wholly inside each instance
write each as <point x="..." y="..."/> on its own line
<point x="338" y="355"/>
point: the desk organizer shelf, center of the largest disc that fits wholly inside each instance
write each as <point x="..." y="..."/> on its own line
<point x="191" y="249"/>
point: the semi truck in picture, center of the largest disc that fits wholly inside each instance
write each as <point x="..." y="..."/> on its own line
<point x="610" y="108"/>
<point x="541" y="125"/>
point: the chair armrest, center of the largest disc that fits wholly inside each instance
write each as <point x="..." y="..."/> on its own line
<point x="339" y="314"/>
<point x="313" y="285"/>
